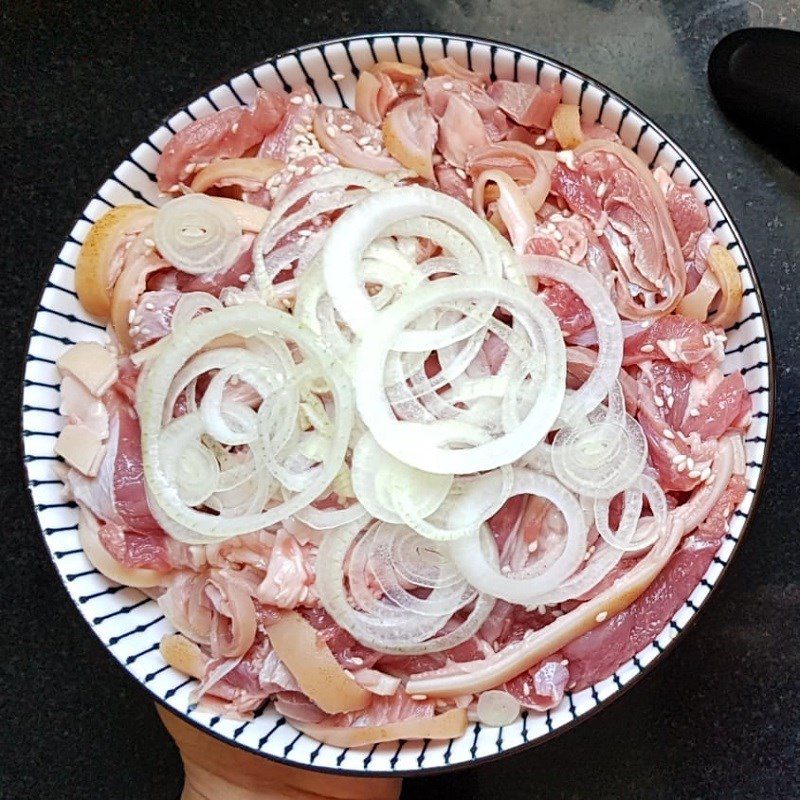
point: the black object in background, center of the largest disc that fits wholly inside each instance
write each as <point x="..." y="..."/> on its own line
<point x="755" y="77"/>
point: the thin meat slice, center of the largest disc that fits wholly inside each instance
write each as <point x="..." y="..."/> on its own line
<point x="227" y="134"/>
<point x="684" y="341"/>
<point x="451" y="182"/>
<point x="136" y="550"/>
<point x="460" y="131"/>
<point x="153" y="317"/>
<point x="728" y="407"/>
<point x="541" y="687"/>
<point x="449" y="68"/>
<point x="597" y="653"/>
<point x="573" y="315"/>
<point x="409" y="133"/>
<point x="689" y="216"/>
<point x="439" y="92"/>
<point x="526" y="103"/>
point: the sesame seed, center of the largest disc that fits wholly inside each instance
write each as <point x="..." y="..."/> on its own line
<point x="678" y="458"/>
<point x="505" y="569"/>
<point x="190" y="167"/>
<point x="541" y="608"/>
<point x="461" y="174"/>
<point x="337" y="76"/>
<point x="598" y="231"/>
<point x="658" y="401"/>
<point x="149" y="307"/>
<point x="364" y="140"/>
<point x="296" y="100"/>
<point x="600" y="190"/>
<point x="601" y="616"/>
<point x="304" y="232"/>
<point x="563" y="254"/>
<point x="670" y="401"/>
<point x="347" y="127"/>
<point x="668" y="433"/>
<point x="659" y="283"/>
<point x="149" y="243"/>
<point x="556" y="218"/>
<point x="138" y="319"/>
<point x="234" y="127"/>
<point x="647" y="348"/>
<point x="710" y="478"/>
<point x="540" y="140"/>
<point x="532" y="547"/>
<point x="134" y="330"/>
<point x="331" y="131"/>
<point x="308" y="98"/>
<point x="689" y="462"/>
<point x="681" y="467"/>
<point x="693" y="412"/>
<point x="705" y="474"/>
<point x="557" y="612"/>
<point x="447" y="86"/>
<point x="558" y="236"/>
<point x="704" y="402"/>
<point x="174" y="188"/>
<point x="694" y="473"/>
<point x="244" y="277"/>
<point x="131" y="315"/>
<point x="419" y="697"/>
<point x="672" y="346"/>
<point x="526" y="689"/>
<point x="299" y="128"/>
<point x="564" y="662"/>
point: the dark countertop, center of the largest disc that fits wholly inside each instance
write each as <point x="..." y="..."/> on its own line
<point x="83" y="83"/>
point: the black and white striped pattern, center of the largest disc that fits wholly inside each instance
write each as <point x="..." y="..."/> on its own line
<point x="131" y="625"/>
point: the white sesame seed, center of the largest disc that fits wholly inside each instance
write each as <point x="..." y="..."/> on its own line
<point x="670" y="401"/>
<point x="190" y="167"/>
<point x="296" y="100"/>
<point x="337" y="76"/>
<point x="705" y="474"/>
<point x="149" y="243"/>
<point x="304" y="232"/>
<point x="447" y="86"/>
<point x="138" y="319"/>
<point x="600" y="190"/>
<point x="678" y="458"/>
<point x="532" y="547"/>
<point x="668" y="433"/>
<point x="564" y="662"/>
<point x="563" y="254"/>
<point x="658" y="401"/>
<point x="461" y="174"/>
<point x="710" y="478"/>
<point x="347" y="127"/>
<point x="419" y="697"/>
<point x="672" y="346"/>
<point x="540" y="140"/>
<point x="681" y="467"/>
<point x="689" y="462"/>
<point x="601" y="616"/>
<point x="134" y="330"/>
<point x="598" y="231"/>
<point x="331" y="131"/>
<point x="557" y="612"/>
<point x="298" y="128"/>
<point x="694" y="473"/>
<point x="558" y="236"/>
<point x="174" y="188"/>
<point x="244" y="277"/>
<point x="505" y="569"/>
<point x="693" y="412"/>
<point x="131" y="315"/>
<point x="541" y="608"/>
<point x="659" y="283"/>
<point x="308" y="98"/>
<point x="149" y="307"/>
<point x="364" y="140"/>
<point x="704" y="402"/>
<point x="526" y="689"/>
<point x="647" y="348"/>
<point x="234" y="127"/>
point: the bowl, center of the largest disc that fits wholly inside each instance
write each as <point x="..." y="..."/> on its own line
<point x="130" y="625"/>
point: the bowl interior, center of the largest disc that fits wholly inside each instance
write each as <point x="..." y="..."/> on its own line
<point x="128" y="623"/>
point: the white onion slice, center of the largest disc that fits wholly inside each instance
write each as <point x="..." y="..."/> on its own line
<point x="526" y="586"/>
<point x="427" y="446"/>
<point x="197" y="235"/>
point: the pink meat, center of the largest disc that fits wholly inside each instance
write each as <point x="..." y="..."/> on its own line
<point x="729" y="406"/>
<point x="440" y="90"/>
<point x="227" y="134"/>
<point x="542" y="686"/>
<point x="130" y="499"/>
<point x="142" y="550"/>
<point x="450" y="182"/>
<point x="215" y="282"/>
<point x="350" y="653"/>
<point x="678" y="339"/>
<point x="689" y="216"/>
<point x="460" y="131"/>
<point x="597" y="653"/>
<point x="153" y="317"/>
<point x="573" y="315"/>
<point x="577" y="190"/>
<point x="527" y="104"/>
<point x="296" y="115"/>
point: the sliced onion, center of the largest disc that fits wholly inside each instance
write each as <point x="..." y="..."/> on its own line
<point x="525" y="587"/>
<point x="357" y="227"/>
<point x="607" y="326"/>
<point x="427" y="446"/>
<point x="197" y="235"/>
<point x="251" y="320"/>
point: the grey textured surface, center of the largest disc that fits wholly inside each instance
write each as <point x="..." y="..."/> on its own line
<point x="80" y="86"/>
